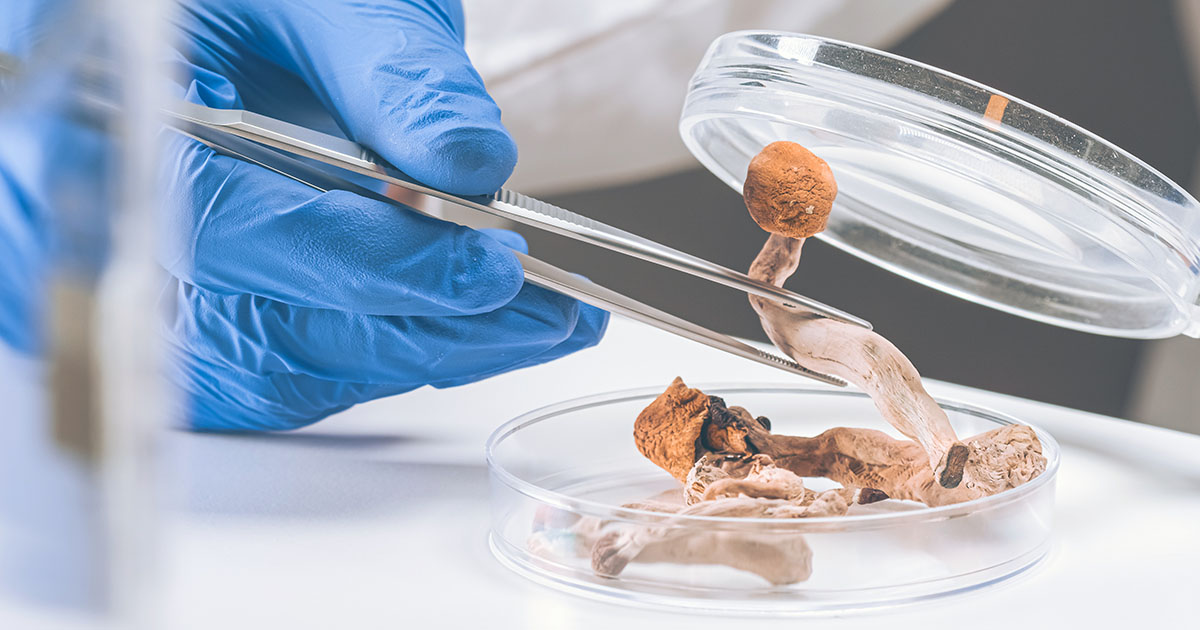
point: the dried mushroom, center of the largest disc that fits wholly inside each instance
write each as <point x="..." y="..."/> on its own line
<point x="731" y="444"/>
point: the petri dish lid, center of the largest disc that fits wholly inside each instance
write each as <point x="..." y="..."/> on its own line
<point x="958" y="186"/>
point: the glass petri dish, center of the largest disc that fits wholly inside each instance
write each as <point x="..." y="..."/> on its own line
<point x="574" y="463"/>
<point x="958" y="186"/>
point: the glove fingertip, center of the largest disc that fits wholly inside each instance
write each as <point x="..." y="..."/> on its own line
<point x="489" y="275"/>
<point x="592" y="325"/>
<point x="508" y="238"/>
<point x="471" y="160"/>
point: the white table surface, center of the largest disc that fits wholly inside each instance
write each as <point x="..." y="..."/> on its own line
<point x="377" y="518"/>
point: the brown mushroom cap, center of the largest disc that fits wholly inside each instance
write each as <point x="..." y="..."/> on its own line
<point x="668" y="431"/>
<point x="789" y="191"/>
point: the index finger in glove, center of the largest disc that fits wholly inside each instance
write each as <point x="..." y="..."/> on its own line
<point x="396" y="78"/>
<point x="234" y="227"/>
<point x="261" y="336"/>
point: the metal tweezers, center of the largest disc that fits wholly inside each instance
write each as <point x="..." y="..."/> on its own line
<point x="276" y="145"/>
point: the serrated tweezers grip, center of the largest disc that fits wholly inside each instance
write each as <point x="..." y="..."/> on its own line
<point x="547" y="210"/>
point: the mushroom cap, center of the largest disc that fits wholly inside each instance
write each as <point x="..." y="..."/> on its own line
<point x="668" y="431"/>
<point x="789" y="191"/>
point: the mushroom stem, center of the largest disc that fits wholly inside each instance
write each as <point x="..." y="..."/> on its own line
<point x="726" y="475"/>
<point x="865" y="458"/>
<point x="860" y="356"/>
<point x="777" y="558"/>
<point x="855" y="458"/>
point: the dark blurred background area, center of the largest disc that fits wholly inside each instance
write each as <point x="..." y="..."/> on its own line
<point x="1120" y="69"/>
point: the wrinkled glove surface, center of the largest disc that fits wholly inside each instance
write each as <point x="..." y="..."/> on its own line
<point x="287" y="305"/>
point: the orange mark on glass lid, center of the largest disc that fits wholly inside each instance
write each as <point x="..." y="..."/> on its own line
<point x="995" y="108"/>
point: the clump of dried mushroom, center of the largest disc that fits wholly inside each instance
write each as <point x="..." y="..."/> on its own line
<point x="721" y="451"/>
<point x="730" y="463"/>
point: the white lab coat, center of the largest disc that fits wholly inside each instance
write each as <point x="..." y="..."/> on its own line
<point x="592" y="89"/>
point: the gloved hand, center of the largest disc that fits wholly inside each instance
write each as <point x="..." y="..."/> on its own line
<point x="291" y="305"/>
<point x="285" y="305"/>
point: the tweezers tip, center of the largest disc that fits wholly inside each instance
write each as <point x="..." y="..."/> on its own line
<point x="796" y="368"/>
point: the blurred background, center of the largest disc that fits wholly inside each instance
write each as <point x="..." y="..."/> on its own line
<point x="1124" y="70"/>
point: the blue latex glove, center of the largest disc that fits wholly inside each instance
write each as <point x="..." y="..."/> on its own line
<point x="292" y="305"/>
<point x="287" y="306"/>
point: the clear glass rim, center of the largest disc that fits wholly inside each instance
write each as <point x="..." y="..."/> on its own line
<point x="1050" y="450"/>
<point x="960" y="79"/>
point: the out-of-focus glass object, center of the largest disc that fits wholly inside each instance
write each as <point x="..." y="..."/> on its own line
<point x="79" y="374"/>
<point x="958" y="186"/>
<point x="561" y="474"/>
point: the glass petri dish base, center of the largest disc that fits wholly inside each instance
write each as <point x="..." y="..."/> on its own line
<point x="558" y="471"/>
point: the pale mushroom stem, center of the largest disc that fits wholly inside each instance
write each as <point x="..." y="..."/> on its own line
<point x="778" y="558"/>
<point x="860" y="356"/>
